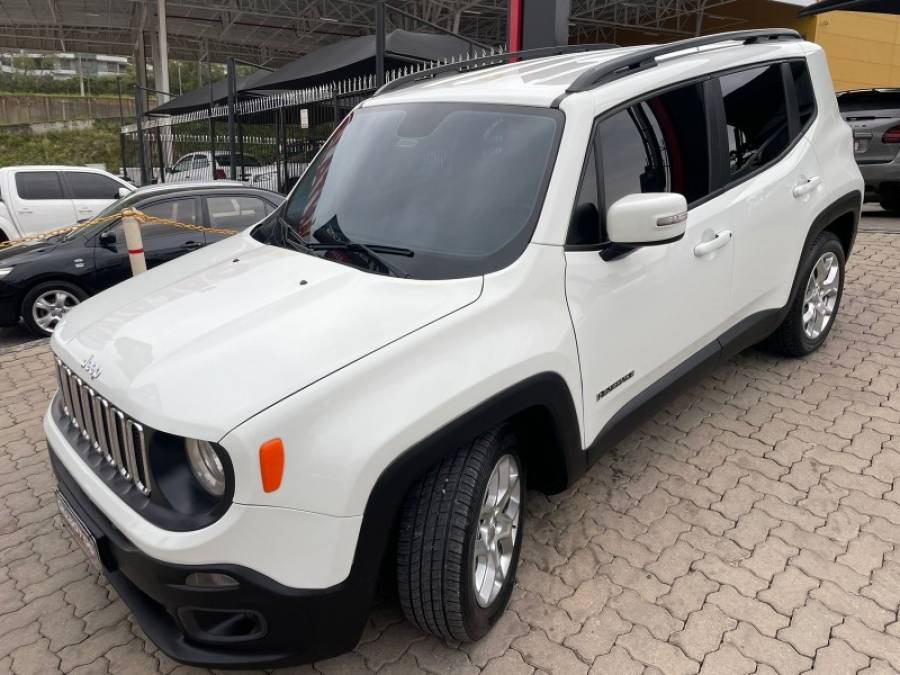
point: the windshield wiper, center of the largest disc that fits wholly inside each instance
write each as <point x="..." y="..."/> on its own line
<point x="371" y="252"/>
<point x="289" y="237"/>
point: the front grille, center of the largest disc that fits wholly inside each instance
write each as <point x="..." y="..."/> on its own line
<point x="111" y="433"/>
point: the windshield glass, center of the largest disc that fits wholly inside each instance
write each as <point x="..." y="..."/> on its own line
<point x="457" y="187"/>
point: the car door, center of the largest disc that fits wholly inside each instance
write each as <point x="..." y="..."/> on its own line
<point x="181" y="170"/>
<point x="234" y="212"/>
<point x="162" y="241"/>
<point x="40" y="202"/>
<point x="641" y="313"/>
<point x="91" y="192"/>
<point x="772" y="178"/>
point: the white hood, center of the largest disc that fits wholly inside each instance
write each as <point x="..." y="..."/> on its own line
<point x="202" y="343"/>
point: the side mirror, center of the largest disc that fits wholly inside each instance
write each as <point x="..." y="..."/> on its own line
<point x="647" y="219"/>
<point x="124" y="192"/>
<point x="107" y="238"/>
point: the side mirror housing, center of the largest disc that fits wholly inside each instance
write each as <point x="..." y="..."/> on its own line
<point x="107" y="238"/>
<point x="647" y="219"/>
<point x="124" y="192"/>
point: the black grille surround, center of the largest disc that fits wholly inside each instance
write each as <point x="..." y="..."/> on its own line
<point x="148" y="471"/>
<point x="112" y="434"/>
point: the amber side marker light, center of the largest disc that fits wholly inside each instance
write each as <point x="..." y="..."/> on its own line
<point x="271" y="464"/>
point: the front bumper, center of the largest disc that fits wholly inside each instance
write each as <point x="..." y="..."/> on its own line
<point x="10" y="308"/>
<point x="257" y="624"/>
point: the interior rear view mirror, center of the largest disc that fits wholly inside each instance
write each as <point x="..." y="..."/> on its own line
<point x="647" y="219"/>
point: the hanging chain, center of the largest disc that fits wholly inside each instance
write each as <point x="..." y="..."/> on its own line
<point x="142" y="218"/>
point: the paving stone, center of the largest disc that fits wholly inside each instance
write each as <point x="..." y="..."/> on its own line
<point x="643" y="647"/>
<point x="839" y="657"/>
<point x="598" y="635"/>
<point x="703" y="632"/>
<point x="810" y="628"/>
<point x="765" y="619"/>
<point x="688" y="594"/>
<point x="779" y="655"/>
<point x="538" y="651"/>
<point x="727" y="661"/>
<point x="618" y="661"/>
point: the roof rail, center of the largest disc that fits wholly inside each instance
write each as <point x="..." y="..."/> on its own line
<point x="646" y="58"/>
<point x="488" y="61"/>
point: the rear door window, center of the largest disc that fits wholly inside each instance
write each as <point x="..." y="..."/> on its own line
<point x="803" y="87"/>
<point x="235" y="213"/>
<point x="36" y="185"/>
<point x="84" y="185"/>
<point x="756" y="118"/>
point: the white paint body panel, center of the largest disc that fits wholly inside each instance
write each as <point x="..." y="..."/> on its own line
<point x="351" y="369"/>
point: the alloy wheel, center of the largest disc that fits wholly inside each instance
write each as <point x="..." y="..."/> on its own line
<point x="821" y="295"/>
<point x="49" y="308"/>
<point x="498" y="530"/>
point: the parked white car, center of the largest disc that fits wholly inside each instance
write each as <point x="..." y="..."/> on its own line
<point x="200" y="166"/>
<point x="481" y="283"/>
<point x="35" y="199"/>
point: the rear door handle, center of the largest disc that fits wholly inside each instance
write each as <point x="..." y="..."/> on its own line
<point x="806" y="188"/>
<point x="705" y="248"/>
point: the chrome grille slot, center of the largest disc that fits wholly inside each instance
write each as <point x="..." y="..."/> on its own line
<point x="120" y="440"/>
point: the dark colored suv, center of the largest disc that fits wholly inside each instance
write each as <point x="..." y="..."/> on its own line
<point x="41" y="281"/>
<point x="874" y="115"/>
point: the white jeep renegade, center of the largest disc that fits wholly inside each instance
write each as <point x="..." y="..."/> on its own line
<point x="491" y="272"/>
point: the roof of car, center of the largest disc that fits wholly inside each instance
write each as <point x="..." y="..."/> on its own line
<point x="543" y="81"/>
<point x="149" y="190"/>
<point x="56" y="167"/>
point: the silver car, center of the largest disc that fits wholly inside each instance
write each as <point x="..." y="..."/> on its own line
<point x="874" y="115"/>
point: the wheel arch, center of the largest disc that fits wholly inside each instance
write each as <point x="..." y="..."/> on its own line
<point x="841" y="217"/>
<point x="543" y="414"/>
<point x="47" y="278"/>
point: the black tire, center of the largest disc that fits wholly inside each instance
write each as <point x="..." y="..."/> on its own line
<point x="41" y="289"/>
<point x="889" y="198"/>
<point x="790" y="339"/>
<point x="438" y="530"/>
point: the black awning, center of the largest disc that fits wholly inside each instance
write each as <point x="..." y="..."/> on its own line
<point x="877" y="6"/>
<point x="356" y="56"/>
<point x="199" y="98"/>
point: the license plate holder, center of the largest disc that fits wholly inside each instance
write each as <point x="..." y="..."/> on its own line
<point x="80" y="533"/>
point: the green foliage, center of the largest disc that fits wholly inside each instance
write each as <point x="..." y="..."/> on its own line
<point x="99" y="145"/>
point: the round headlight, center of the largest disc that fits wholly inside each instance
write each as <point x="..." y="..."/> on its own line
<point x="206" y="466"/>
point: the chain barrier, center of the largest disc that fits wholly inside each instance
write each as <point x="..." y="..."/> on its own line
<point x="139" y="216"/>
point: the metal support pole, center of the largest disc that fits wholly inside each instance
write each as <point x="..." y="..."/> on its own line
<point x="380" y="40"/>
<point x="336" y="108"/>
<point x="162" y="54"/>
<point x="161" y="155"/>
<point x="212" y="123"/>
<point x="139" y="123"/>
<point x="232" y="86"/>
<point x="122" y="135"/>
<point x="280" y="152"/>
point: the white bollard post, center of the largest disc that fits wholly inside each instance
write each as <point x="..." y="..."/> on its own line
<point x="133" y="241"/>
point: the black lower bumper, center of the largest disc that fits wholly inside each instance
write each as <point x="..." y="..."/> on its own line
<point x="256" y="624"/>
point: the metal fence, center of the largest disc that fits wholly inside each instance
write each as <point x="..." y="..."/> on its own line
<point x="265" y="141"/>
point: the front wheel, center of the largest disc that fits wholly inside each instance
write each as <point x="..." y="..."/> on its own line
<point x="460" y="538"/>
<point x="46" y="304"/>
<point x="812" y="313"/>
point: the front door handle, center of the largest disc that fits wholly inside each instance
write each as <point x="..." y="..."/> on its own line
<point x="191" y="245"/>
<point x="705" y="248"/>
<point x="806" y="188"/>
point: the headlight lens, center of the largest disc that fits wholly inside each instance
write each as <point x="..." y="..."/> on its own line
<point x="5" y="271"/>
<point x="206" y="466"/>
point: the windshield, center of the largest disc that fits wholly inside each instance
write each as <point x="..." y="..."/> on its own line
<point x="456" y="187"/>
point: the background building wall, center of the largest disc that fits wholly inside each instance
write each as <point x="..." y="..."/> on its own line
<point x="863" y="49"/>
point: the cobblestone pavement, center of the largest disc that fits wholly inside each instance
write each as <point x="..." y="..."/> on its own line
<point x="751" y="527"/>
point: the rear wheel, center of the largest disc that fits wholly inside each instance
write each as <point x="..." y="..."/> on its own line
<point x="812" y="313"/>
<point x="460" y="538"/>
<point x="46" y="304"/>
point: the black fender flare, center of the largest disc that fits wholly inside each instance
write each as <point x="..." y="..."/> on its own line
<point x="546" y="391"/>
